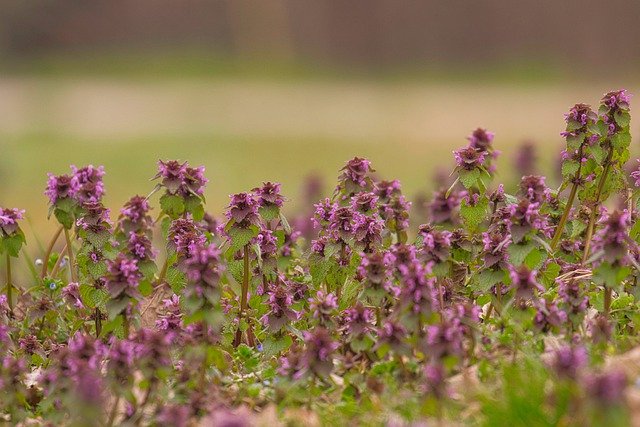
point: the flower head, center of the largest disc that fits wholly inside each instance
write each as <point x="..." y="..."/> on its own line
<point x="9" y="221"/>
<point x="60" y="187"/>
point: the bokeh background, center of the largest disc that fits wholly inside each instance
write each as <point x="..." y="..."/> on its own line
<point x="277" y="89"/>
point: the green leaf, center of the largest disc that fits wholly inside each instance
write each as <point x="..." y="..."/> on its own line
<point x="176" y="279"/>
<point x="194" y="206"/>
<point x="469" y="178"/>
<point x="569" y="168"/>
<point x="12" y="244"/>
<point x="483" y="281"/>
<point x="535" y="259"/>
<point x="240" y="236"/>
<point x="64" y="218"/>
<point x="474" y="215"/>
<point x="270" y="212"/>
<point x="146" y="288"/>
<point x="172" y="205"/>
<point x="272" y="346"/>
<point x="518" y="253"/>
<point x="622" y="118"/>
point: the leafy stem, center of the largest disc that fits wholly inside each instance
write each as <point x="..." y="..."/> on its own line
<point x="47" y="255"/>
<point x="72" y="269"/>
<point x="9" y="285"/>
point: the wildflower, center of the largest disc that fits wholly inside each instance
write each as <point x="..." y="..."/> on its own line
<point x="523" y="282"/>
<point x="61" y="187"/>
<point x="364" y="202"/>
<point x="612" y="241"/>
<point x="139" y="245"/>
<point x="123" y="278"/>
<point x="355" y="176"/>
<point x="443" y="208"/>
<point x="243" y="210"/>
<point x="568" y="360"/>
<point x="358" y="319"/>
<point x="445" y="338"/>
<point x="436" y="244"/>
<point x="94" y="218"/>
<point x="578" y="119"/>
<point x="134" y="216"/>
<point x="606" y="388"/>
<point x="375" y="271"/>
<point x="393" y="334"/>
<point x="279" y="302"/>
<point x="90" y="185"/>
<point x="548" y="315"/>
<point x="525" y="158"/>
<point x="367" y="231"/>
<point x="184" y="236"/>
<point x="495" y="244"/>
<point x="193" y="182"/>
<point x="319" y="348"/>
<point x="469" y="158"/>
<point x="269" y="195"/>
<point x="323" y="306"/>
<point x="71" y="294"/>
<point x="204" y="270"/>
<point x="9" y="221"/>
<point x="172" y="174"/>
<point x="533" y="188"/>
<point x="481" y="139"/>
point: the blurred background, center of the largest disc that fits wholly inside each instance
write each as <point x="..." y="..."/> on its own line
<point x="261" y="90"/>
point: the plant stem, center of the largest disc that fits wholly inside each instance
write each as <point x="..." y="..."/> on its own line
<point x="596" y="206"/>
<point x="565" y="214"/>
<point x="47" y="254"/>
<point x="56" y="267"/>
<point x="9" y="286"/>
<point x="607" y="300"/>
<point x="163" y="272"/>
<point x="572" y="195"/>
<point x="98" y="320"/>
<point x="72" y="269"/>
<point x="243" y="297"/>
<point x="125" y="325"/>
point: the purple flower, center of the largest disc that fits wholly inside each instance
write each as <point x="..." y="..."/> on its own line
<point x="636" y="175"/>
<point x="172" y="174"/>
<point x="436" y="244"/>
<point x="94" y="218"/>
<point x="606" y="388"/>
<point x="269" y="194"/>
<point x="71" y="293"/>
<point x="134" y="216"/>
<point x="393" y="334"/>
<point x="443" y="208"/>
<point x="174" y="416"/>
<point x="354" y="176"/>
<point x="481" y="139"/>
<point x="184" y="235"/>
<point x="469" y="158"/>
<point x="571" y="293"/>
<point x="358" y="319"/>
<point x="123" y="278"/>
<point x="243" y="210"/>
<point x="323" y="306"/>
<point x="60" y="187"/>
<point x="318" y="354"/>
<point x="367" y="231"/>
<point x="376" y="270"/>
<point x="495" y="244"/>
<point x="279" y="302"/>
<point x="617" y="100"/>
<point x="533" y="188"/>
<point x="90" y="185"/>
<point x="364" y="202"/>
<point x="578" y="119"/>
<point x="524" y="160"/>
<point x="193" y="182"/>
<point x="523" y="281"/>
<point x="548" y="315"/>
<point x="204" y="270"/>
<point x="568" y="360"/>
<point x="445" y="338"/>
<point x="612" y="241"/>
<point x="268" y="244"/>
<point x="9" y="220"/>
<point x="139" y="245"/>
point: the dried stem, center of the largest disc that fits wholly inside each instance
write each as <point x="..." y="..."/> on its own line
<point x="47" y="254"/>
<point x="72" y="268"/>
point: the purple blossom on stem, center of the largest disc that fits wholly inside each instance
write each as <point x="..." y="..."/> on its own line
<point x="612" y="241"/>
<point x="606" y="388"/>
<point x="358" y="320"/>
<point x="443" y="208"/>
<point x="533" y="188"/>
<point x="323" y="306"/>
<point x="279" y="301"/>
<point x="469" y="158"/>
<point x="318" y="353"/>
<point x="71" y="293"/>
<point x="172" y="174"/>
<point x="139" y="245"/>
<point x="60" y="187"/>
<point x="134" y="216"/>
<point x="481" y="139"/>
<point x="243" y="210"/>
<point x="269" y="194"/>
<point x="9" y="221"/>
<point x="354" y="176"/>
<point x="90" y="185"/>
<point x="123" y="278"/>
<point x="523" y="282"/>
<point x="184" y="235"/>
<point x="548" y="315"/>
<point x="567" y="361"/>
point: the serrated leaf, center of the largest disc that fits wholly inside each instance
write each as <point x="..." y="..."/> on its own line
<point x="569" y="168"/>
<point x="240" y="236"/>
<point x="519" y="252"/>
<point x="535" y="259"/>
<point x="469" y="178"/>
<point x="269" y="213"/>
<point x="622" y="118"/>
<point x="12" y="244"/>
<point x="172" y="205"/>
<point x="483" y="281"/>
<point x="272" y="346"/>
<point x="194" y="206"/>
<point x="473" y="216"/>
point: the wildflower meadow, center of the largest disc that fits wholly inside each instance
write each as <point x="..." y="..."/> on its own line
<point x="491" y="303"/>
